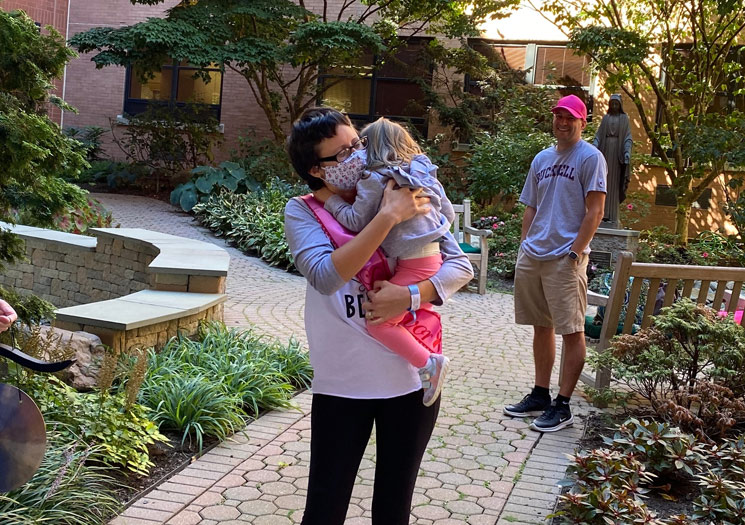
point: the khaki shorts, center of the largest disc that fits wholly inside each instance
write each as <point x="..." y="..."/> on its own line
<point x="551" y="293"/>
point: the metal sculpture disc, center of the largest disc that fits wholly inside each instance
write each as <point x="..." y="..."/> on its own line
<point x="23" y="438"/>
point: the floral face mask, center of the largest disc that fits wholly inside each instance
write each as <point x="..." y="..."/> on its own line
<point x="346" y="174"/>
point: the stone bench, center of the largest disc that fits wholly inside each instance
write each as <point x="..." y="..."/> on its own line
<point x="129" y="286"/>
<point x="179" y="264"/>
<point x="148" y="318"/>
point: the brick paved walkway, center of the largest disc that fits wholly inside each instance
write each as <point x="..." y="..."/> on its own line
<point x="481" y="468"/>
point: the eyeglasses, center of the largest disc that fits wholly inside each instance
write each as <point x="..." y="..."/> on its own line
<point x="344" y="154"/>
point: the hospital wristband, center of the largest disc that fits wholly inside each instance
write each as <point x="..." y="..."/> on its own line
<point x="416" y="299"/>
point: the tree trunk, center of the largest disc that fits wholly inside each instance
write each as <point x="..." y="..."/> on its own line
<point x="682" y="219"/>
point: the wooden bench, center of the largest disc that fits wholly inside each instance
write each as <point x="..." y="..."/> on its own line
<point x="676" y="277"/>
<point x="478" y="255"/>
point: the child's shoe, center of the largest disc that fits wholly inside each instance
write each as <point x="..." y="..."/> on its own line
<point x="433" y="377"/>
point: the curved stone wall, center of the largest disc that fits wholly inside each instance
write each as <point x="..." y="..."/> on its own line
<point x="67" y="269"/>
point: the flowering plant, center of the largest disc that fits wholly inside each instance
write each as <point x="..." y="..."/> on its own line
<point x="634" y="208"/>
<point x="504" y="241"/>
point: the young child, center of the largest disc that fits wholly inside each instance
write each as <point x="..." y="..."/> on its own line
<point x="391" y="153"/>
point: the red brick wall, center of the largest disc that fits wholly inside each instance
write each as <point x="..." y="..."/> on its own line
<point x="98" y="94"/>
<point x="47" y="13"/>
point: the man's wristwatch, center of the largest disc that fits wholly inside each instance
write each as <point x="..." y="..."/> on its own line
<point x="573" y="255"/>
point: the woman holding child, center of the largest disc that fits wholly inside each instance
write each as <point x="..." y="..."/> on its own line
<point x="358" y="381"/>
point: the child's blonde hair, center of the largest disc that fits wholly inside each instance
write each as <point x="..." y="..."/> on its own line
<point x="388" y="144"/>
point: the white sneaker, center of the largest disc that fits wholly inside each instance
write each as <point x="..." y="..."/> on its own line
<point x="432" y="376"/>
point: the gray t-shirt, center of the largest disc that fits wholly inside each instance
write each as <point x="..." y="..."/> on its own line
<point x="556" y="187"/>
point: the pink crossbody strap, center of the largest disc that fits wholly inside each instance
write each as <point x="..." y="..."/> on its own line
<point x="427" y="327"/>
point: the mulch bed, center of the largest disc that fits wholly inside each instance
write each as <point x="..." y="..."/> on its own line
<point x="168" y="462"/>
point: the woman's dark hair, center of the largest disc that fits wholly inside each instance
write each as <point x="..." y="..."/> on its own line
<point x="314" y="125"/>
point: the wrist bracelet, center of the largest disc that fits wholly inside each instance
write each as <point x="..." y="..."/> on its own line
<point x="416" y="299"/>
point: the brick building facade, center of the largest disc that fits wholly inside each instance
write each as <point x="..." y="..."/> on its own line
<point x="46" y="13"/>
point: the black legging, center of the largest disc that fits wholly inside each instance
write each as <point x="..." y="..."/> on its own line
<point x="340" y="431"/>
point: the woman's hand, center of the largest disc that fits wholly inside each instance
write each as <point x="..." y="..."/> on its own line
<point x="403" y="203"/>
<point x="7" y="315"/>
<point x="385" y="301"/>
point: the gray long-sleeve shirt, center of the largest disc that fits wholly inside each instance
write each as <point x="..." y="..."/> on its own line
<point x="409" y="237"/>
<point x="312" y="250"/>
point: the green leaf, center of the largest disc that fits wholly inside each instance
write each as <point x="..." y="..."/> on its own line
<point x="188" y="199"/>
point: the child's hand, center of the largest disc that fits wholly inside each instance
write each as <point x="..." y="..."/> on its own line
<point x="403" y="203"/>
<point x="7" y="315"/>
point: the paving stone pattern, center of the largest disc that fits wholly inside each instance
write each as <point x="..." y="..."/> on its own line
<point x="481" y="468"/>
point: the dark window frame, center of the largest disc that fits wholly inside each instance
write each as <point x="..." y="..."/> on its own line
<point x="664" y="196"/>
<point x="135" y="106"/>
<point x="359" y="119"/>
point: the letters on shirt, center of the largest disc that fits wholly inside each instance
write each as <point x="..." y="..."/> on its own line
<point x="557" y="170"/>
<point x="349" y="301"/>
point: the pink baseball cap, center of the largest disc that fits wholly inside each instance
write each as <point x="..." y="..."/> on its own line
<point x="573" y="104"/>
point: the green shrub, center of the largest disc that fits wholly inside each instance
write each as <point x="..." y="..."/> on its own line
<point x="499" y="163"/>
<point x="634" y="208"/>
<point x="607" y="483"/>
<point x="662" y="448"/>
<point x="253" y="222"/>
<point x="687" y="345"/>
<point x="190" y="402"/>
<point x="264" y="159"/>
<point x="207" y="181"/>
<point x="90" y="139"/>
<point x="114" y="174"/>
<point x="722" y="498"/>
<point x="66" y="490"/>
<point x="121" y="434"/>
<point x="211" y="386"/>
<point x="30" y="308"/>
<point x="708" y="248"/>
<point x="169" y="140"/>
<point x="608" y="486"/>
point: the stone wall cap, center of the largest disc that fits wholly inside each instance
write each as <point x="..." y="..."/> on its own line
<point x="31" y="232"/>
<point x="618" y="232"/>
<point x="143" y="308"/>
<point x="178" y="255"/>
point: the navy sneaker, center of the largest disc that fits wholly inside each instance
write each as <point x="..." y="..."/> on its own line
<point x="527" y="406"/>
<point x="556" y="417"/>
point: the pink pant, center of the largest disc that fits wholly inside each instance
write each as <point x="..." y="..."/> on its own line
<point x="391" y="333"/>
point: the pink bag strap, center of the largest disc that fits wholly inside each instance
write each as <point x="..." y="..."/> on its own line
<point x="426" y="326"/>
<point x="376" y="269"/>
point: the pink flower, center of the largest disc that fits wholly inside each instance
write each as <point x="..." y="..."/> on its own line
<point x="495" y="226"/>
<point x="705" y="255"/>
<point x="483" y="218"/>
<point x="629" y="206"/>
<point x="500" y="254"/>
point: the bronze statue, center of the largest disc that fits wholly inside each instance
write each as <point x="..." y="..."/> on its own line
<point x="613" y="139"/>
